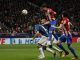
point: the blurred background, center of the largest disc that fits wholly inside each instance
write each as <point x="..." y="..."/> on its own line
<point x="13" y="23"/>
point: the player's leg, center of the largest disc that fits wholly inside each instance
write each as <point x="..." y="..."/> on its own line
<point x="59" y="42"/>
<point x="62" y="39"/>
<point x="69" y="42"/>
<point x="46" y="46"/>
<point x="41" y="56"/>
<point x="52" y="47"/>
<point x="51" y="30"/>
<point x="56" y="38"/>
<point x="73" y="52"/>
<point x="49" y="47"/>
<point x="50" y="33"/>
<point x="40" y="46"/>
<point x="55" y="35"/>
<point x="50" y="38"/>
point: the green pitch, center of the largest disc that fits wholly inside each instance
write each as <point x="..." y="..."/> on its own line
<point x="30" y="52"/>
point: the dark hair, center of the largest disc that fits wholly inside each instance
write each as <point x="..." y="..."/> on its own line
<point x="65" y="14"/>
<point x="44" y="5"/>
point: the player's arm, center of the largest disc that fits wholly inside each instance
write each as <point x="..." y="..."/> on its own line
<point x="71" y="24"/>
<point x="60" y="26"/>
<point x="37" y="33"/>
<point x="64" y="22"/>
<point x="46" y="23"/>
<point x="54" y="12"/>
<point x="49" y="16"/>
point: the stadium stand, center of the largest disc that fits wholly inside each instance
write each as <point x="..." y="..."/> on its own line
<point x="12" y="21"/>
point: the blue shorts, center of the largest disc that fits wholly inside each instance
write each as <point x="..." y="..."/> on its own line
<point x="69" y="39"/>
<point x="64" y="38"/>
<point x="52" y="29"/>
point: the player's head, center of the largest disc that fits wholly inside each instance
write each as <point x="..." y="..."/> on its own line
<point x="64" y="15"/>
<point x="43" y="21"/>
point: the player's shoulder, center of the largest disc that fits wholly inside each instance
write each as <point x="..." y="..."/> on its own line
<point x="49" y="9"/>
<point x="66" y="19"/>
<point x="62" y="22"/>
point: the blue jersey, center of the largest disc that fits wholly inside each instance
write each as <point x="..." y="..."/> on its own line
<point x="51" y="29"/>
<point x="47" y="26"/>
<point x="64" y="38"/>
<point x="41" y="29"/>
<point x="53" y="23"/>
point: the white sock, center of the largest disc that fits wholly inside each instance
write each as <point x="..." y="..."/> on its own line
<point x="56" y="48"/>
<point x="41" y="51"/>
<point x="50" y="50"/>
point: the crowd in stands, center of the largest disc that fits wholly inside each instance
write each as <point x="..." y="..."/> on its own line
<point x="12" y="21"/>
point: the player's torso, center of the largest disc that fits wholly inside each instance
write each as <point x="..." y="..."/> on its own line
<point x="53" y="23"/>
<point x="66" y="25"/>
<point x="42" y="30"/>
<point x="47" y="26"/>
<point x="51" y="12"/>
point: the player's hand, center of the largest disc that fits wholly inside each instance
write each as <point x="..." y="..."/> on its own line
<point x="59" y="28"/>
<point x="32" y="38"/>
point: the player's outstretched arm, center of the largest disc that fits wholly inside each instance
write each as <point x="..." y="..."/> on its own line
<point x="49" y="16"/>
<point x="71" y="24"/>
<point x="60" y="26"/>
<point x="35" y="35"/>
<point x="46" y="23"/>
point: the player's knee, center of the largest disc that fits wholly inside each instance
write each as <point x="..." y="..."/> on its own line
<point x="44" y="47"/>
<point x="58" y="43"/>
<point x="69" y="46"/>
<point x="50" y="46"/>
<point x="39" y="45"/>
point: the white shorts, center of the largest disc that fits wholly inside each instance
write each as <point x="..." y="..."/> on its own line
<point x="43" y="40"/>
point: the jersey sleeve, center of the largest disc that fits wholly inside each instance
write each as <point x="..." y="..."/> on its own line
<point x="37" y="28"/>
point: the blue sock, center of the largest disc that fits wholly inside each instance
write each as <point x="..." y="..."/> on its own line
<point x="56" y="37"/>
<point x="72" y="50"/>
<point x="61" y="47"/>
<point x="50" y="36"/>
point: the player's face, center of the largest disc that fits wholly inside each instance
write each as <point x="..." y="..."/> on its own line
<point x="43" y="21"/>
<point x="44" y="8"/>
<point x="62" y="22"/>
<point x="62" y="16"/>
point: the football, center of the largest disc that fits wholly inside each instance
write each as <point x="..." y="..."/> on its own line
<point x="24" y="12"/>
